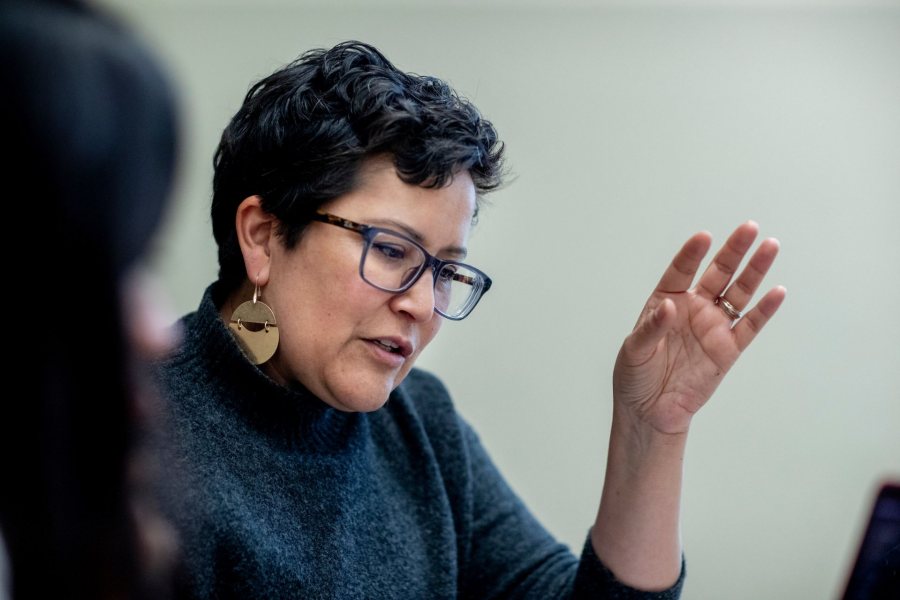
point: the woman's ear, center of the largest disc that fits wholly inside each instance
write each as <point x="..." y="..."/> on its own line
<point x="255" y="233"/>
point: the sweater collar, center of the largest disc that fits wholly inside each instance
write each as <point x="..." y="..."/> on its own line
<point x="291" y="413"/>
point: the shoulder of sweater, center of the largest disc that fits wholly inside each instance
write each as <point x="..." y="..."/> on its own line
<point x="187" y="348"/>
<point x="425" y="395"/>
<point x="420" y="382"/>
<point x="421" y="405"/>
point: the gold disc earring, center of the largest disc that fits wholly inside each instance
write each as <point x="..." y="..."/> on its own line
<point x="254" y="327"/>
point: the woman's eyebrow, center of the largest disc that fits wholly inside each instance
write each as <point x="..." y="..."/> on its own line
<point x="455" y="251"/>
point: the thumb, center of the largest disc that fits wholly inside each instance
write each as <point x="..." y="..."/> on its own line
<point x="641" y="344"/>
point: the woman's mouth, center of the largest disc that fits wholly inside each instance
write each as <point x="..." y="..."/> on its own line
<point x="388" y="345"/>
<point x="393" y="345"/>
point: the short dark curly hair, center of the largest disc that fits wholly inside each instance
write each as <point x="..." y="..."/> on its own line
<point x="302" y="133"/>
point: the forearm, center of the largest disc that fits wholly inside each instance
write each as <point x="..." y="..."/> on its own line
<point x="636" y="534"/>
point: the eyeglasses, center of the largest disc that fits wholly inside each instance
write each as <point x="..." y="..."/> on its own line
<point x="394" y="263"/>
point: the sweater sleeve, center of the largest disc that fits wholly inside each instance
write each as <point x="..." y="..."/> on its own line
<point x="594" y="580"/>
<point x="511" y="555"/>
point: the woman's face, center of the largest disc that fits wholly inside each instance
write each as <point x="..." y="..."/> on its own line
<point x="333" y="325"/>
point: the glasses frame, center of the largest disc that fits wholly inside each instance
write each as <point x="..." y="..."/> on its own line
<point x="435" y="264"/>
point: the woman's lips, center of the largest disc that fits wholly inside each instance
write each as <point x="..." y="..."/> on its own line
<point x="391" y="351"/>
<point x="394" y="345"/>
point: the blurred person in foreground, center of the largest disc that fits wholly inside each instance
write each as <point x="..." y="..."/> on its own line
<point x="313" y="459"/>
<point x="90" y="133"/>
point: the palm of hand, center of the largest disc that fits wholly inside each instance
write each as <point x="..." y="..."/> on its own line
<point x="683" y="343"/>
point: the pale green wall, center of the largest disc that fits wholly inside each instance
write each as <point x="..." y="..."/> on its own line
<point x="628" y="131"/>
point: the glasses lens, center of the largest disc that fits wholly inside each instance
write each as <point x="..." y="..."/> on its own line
<point x="391" y="262"/>
<point x="457" y="289"/>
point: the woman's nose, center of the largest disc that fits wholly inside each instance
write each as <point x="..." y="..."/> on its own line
<point x="417" y="301"/>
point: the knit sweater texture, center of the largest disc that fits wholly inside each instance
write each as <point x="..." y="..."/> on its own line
<point x="274" y="494"/>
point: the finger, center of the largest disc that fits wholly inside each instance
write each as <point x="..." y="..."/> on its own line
<point x="646" y="335"/>
<point x="753" y="322"/>
<point x="727" y="260"/>
<point x="680" y="273"/>
<point x="739" y="293"/>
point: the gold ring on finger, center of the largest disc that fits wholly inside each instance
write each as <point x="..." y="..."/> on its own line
<point x="728" y="308"/>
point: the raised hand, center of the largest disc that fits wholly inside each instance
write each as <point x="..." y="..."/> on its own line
<point x="687" y="338"/>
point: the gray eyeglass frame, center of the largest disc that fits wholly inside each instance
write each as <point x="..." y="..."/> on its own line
<point x="368" y="232"/>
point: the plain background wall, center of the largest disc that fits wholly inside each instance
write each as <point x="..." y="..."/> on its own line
<point x="628" y="129"/>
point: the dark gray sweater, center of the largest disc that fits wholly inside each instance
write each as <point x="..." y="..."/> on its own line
<point x="276" y="495"/>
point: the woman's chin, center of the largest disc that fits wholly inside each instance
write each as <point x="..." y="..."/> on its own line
<point x="359" y="396"/>
<point x="359" y="403"/>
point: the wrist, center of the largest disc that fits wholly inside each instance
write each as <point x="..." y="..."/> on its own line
<point x="636" y="533"/>
<point x="640" y="446"/>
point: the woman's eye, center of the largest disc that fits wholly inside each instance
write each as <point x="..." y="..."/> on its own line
<point x="390" y="251"/>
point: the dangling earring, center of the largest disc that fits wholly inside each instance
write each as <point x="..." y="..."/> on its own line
<point x="254" y="327"/>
